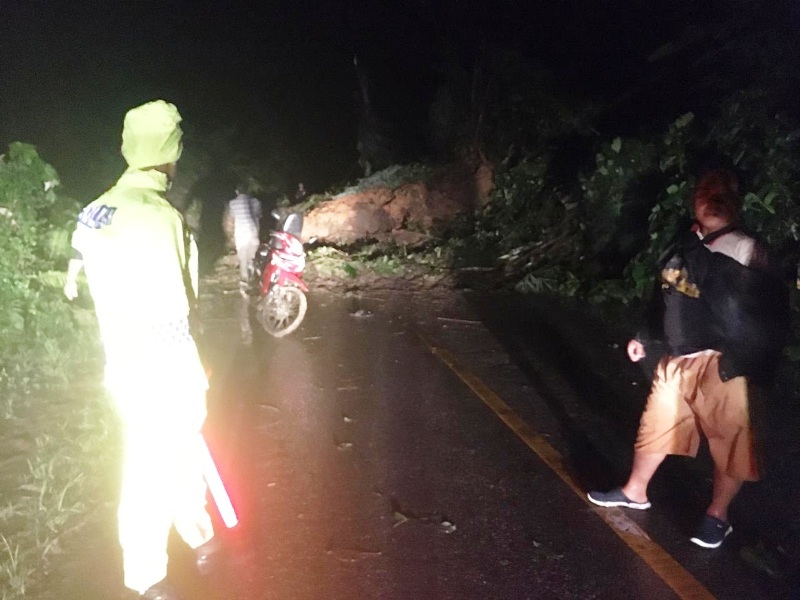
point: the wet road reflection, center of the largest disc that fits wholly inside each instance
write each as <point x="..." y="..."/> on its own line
<point x="362" y="467"/>
<point x="245" y="317"/>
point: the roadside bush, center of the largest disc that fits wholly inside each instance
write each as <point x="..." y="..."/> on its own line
<point x="602" y="238"/>
<point x="391" y="177"/>
<point x="764" y="146"/>
<point x="746" y="137"/>
<point x="34" y="237"/>
<point x="633" y="203"/>
<point x="39" y="349"/>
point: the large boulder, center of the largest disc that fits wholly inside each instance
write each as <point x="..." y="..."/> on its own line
<point x="347" y="220"/>
<point x="406" y="214"/>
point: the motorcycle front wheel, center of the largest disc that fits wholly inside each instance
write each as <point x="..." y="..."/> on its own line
<point x="282" y="310"/>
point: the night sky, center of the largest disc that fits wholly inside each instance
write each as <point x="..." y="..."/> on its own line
<point x="280" y="74"/>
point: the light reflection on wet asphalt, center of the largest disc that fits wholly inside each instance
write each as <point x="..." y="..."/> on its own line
<point x="365" y="469"/>
<point x="361" y="467"/>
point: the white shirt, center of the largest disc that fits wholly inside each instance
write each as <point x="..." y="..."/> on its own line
<point x="739" y="246"/>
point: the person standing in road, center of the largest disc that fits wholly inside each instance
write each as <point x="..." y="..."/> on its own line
<point x="244" y="212"/>
<point x="140" y="262"/>
<point x="301" y="193"/>
<point x="722" y="315"/>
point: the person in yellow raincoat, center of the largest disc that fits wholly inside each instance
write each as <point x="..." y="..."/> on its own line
<point x="140" y="262"/>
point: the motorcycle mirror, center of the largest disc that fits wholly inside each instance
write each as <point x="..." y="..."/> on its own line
<point x="293" y="224"/>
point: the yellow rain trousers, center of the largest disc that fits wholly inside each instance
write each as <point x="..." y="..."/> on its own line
<point x="162" y="483"/>
<point x="141" y="266"/>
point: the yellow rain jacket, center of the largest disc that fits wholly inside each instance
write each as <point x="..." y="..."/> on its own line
<point x="141" y="265"/>
<point x="140" y="259"/>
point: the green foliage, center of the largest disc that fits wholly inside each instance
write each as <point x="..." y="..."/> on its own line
<point x="34" y="232"/>
<point x="517" y="208"/>
<point x="391" y="177"/>
<point x="553" y="280"/>
<point x="15" y="570"/>
<point x="525" y="210"/>
<point x="37" y="354"/>
<point x="71" y="452"/>
<point x="633" y="200"/>
<point x="392" y="260"/>
<point x="759" y="144"/>
<point x="350" y="270"/>
<point x="528" y="232"/>
<point x="611" y="188"/>
<point x="631" y="175"/>
<point x="763" y="145"/>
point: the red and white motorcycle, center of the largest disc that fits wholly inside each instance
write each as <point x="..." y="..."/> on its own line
<point x="277" y="274"/>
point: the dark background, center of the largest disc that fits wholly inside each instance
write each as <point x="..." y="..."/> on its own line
<point x="280" y="74"/>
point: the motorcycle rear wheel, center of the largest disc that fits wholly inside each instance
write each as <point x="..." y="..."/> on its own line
<point x="282" y="310"/>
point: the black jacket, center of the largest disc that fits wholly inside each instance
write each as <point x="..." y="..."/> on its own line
<point x="708" y="300"/>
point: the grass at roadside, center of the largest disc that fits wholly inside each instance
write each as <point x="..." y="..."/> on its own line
<point x="56" y="450"/>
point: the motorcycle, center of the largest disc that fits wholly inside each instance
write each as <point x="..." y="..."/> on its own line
<point x="277" y="276"/>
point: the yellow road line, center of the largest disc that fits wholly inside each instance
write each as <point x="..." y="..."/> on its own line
<point x="666" y="567"/>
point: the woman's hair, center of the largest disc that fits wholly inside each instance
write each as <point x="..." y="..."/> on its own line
<point x="720" y="190"/>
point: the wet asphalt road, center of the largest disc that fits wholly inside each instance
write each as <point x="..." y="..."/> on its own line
<point x="363" y="467"/>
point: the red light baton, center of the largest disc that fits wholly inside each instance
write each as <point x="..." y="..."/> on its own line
<point x="216" y="487"/>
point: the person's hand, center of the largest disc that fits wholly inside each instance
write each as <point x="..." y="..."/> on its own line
<point x="71" y="289"/>
<point x="636" y="350"/>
